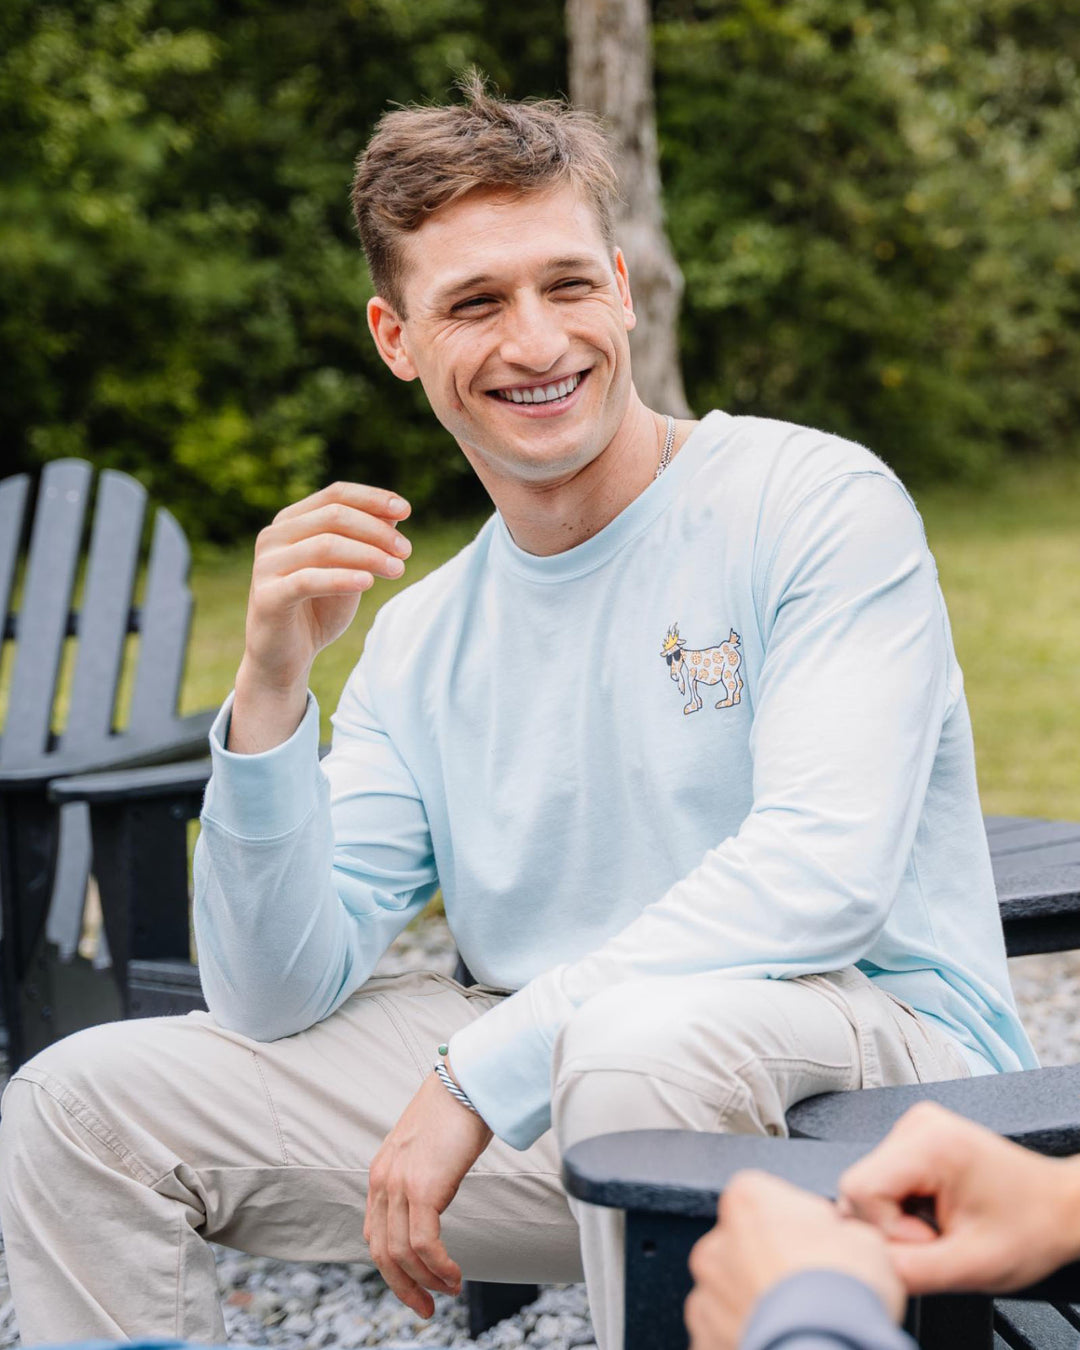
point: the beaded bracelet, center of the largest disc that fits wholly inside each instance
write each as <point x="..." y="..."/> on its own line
<point x="448" y="1083"/>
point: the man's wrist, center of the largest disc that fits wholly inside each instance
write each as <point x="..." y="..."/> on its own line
<point x="263" y="717"/>
<point x="445" y="1075"/>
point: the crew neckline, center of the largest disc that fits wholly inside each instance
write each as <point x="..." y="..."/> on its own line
<point x="631" y="520"/>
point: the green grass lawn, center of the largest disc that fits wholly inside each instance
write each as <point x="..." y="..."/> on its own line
<point x="1009" y="559"/>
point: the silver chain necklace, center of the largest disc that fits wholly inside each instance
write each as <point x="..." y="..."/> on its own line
<point x="669" y="445"/>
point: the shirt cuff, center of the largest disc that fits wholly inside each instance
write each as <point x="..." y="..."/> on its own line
<point x="825" y="1304"/>
<point x="266" y="795"/>
<point x="503" y="1060"/>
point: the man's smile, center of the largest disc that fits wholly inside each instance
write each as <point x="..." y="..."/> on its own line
<point x="553" y="394"/>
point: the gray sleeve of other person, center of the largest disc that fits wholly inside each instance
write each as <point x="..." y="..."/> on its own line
<point x="822" y="1310"/>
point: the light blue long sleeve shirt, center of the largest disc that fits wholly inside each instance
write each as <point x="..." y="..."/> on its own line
<point x="728" y="732"/>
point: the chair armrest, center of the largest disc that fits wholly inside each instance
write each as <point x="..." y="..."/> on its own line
<point x="685" y="1172"/>
<point x="163" y="780"/>
<point x="1039" y="1108"/>
<point x="146" y="783"/>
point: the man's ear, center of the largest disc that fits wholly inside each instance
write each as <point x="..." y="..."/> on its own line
<point x="388" y="330"/>
<point x="622" y="281"/>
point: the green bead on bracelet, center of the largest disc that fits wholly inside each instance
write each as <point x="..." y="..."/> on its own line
<point x="444" y="1050"/>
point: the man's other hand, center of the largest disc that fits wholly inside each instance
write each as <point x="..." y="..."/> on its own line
<point x="1005" y="1216"/>
<point x="768" y="1230"/>
<point x="413" y="1177"/>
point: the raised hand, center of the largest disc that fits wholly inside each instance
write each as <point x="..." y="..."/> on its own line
<point x="1004" y="1216"/>
<point x="311" y="566"/>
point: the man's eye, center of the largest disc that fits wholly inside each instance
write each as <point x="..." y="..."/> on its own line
<point x="473" y="303"/>
<point x="573" y="284"/>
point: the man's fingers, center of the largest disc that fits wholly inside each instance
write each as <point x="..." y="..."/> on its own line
<point x="340" y="518"/>
<point x="407" y="1290"/>
<point x="382" y="1222"/>
<point x="429" y="1247"/>
<point x="327" y="550"/>
<point x="314" y="582"/>
<point x="378" y="501"/>
<point x="402" y="1253"/>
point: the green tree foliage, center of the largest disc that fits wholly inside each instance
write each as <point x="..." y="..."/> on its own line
<point x="181" y="291"/>
<point x="874" y="205"/>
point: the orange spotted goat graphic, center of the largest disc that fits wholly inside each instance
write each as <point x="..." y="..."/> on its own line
<point x="710" y="665"/>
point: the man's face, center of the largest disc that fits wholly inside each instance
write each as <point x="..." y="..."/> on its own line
<point x="517" y="326"/>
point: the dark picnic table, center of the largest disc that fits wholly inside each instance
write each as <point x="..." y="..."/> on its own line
<point x="1037" y="871"/>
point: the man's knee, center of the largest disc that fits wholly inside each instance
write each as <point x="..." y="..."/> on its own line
<point x="622" y="1028"/>
<point x="59" y="1098"/>
<point x="696" y="1025"/>
<point x="634" y="1057"/>
<point x="698" y="1052"/>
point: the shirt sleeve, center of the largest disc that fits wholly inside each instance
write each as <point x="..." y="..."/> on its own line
<point x="305" y="872"/>
<point x="822" y="1310"/>
<point x="849" y="707"/>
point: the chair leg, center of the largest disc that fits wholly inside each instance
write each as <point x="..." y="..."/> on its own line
<point x="490" y="1303"/>
<point x="29" y="837"/>
<point x="658" y="1278"/>
<point x="951" y="1321"/>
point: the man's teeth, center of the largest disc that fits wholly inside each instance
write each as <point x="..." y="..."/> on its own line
<point x="541" y="395"/>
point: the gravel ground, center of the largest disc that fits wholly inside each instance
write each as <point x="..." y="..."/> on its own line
<point x="309" y="1307"/>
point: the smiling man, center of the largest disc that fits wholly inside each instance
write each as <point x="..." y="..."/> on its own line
<point x="680" y="735"/>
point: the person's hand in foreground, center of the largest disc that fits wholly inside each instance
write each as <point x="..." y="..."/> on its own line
<point x="1006" y="1216"/>
<point x="768" y="1230"/>
<point x="413" y="1177"/>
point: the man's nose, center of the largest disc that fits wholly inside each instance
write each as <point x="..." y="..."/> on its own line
<point x="533" y="336"/>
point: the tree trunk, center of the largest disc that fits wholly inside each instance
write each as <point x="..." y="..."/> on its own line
<point x="611" y="72"/>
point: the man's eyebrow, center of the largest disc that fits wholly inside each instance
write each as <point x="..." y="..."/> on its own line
<point x="482" y="280"/>
<point x="453" y="288"/>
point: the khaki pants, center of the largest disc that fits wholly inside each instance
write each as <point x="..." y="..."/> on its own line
<point x="124" y="1147"/>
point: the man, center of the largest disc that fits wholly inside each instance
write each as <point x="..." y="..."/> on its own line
<point x="790" y="1271"/>
<point x="680" y="735"/>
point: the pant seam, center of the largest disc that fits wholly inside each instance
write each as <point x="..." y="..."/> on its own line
<point x="178" y="1312"/>
<point x="707" y="1089"/>
<point x="91" y="1123"/>
<point x="403" y="1033"/>
<point x="272" y="1108"/>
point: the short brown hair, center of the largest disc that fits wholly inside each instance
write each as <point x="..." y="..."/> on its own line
<point x="423" y="158"/>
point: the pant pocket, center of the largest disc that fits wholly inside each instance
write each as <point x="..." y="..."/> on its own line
<point x="934" y="1054"/>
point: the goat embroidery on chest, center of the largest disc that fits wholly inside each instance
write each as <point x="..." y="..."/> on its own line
<point x="691" y="667"/>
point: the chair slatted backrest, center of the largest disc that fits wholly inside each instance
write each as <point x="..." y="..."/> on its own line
<point x="165" y="624"/>
<point x="46" y="617"/>
<point x="105" y="616"/>
<point x="13" y="494"/>
<point x="42" y="623"/>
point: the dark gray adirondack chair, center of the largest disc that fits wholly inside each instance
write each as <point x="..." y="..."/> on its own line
<point x="45" y="851"/>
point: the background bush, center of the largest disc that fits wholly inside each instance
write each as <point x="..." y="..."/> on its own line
<point x="874" y="205"/>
